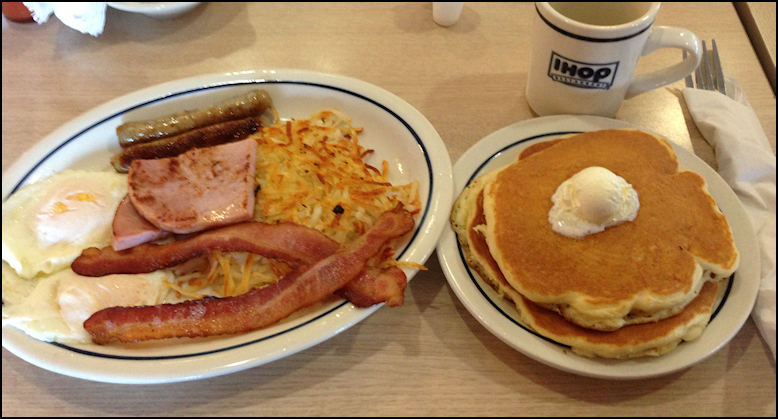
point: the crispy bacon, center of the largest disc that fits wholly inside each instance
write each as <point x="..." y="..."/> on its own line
<point x="374" y="286"/>
<point x="289" y="243"/>
<point x="295" y="244"/>
<point x="256" y="309"/>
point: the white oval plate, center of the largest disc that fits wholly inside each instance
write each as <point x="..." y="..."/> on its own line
<point x="501" y="318"/>
<point x="394" y="129"/>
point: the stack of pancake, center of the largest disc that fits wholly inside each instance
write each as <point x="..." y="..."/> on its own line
<point x="638" y="288"/>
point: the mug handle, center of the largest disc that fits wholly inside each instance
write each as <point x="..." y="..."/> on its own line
<point x="667" y="37"/>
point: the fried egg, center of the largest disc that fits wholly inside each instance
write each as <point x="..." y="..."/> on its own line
<point x="47" y="224"/>
<point x="54" y="308"/>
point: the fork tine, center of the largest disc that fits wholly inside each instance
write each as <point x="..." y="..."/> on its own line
<point x="689" y="82"/>
<point x="698" y="70"/>
<point x="720" y="85"/>
<point x="707" y="75"/>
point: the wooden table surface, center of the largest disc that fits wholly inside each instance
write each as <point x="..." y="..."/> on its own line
<point x="759" y="21"/>
<point x="430" y="356"/>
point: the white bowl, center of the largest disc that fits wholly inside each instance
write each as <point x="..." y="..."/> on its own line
<point x="159" y="10"/>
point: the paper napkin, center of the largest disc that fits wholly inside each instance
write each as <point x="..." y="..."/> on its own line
<point x="84" y="17"/>
<point x="747" y="163"/>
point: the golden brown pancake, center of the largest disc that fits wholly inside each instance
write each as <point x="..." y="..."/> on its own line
<point x="655" y="338"/>
<point x="638" y="271"/>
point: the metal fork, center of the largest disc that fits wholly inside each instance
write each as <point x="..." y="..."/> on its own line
<point x="708" y="74"/>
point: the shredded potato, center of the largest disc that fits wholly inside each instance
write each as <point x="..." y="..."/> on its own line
<point x="311" y="172"/>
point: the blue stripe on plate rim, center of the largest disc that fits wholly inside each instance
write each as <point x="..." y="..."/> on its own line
<point x="480" y="289"/>
<point x="226" y="85"/>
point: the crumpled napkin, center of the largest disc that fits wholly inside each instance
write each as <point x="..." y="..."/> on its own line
<point x="84" y="17"/>
<point x="747" y="163"/>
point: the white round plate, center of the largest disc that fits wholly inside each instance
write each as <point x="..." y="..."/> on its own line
<point x="394" y="129"/>
<point x="159" y="10"/>
<point x="500" y="316"/>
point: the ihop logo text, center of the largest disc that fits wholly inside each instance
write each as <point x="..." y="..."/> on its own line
<point x="580" y="74"/>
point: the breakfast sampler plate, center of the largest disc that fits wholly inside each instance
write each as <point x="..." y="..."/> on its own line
<point x="732" y="308"/>
<point x="396" y="131"/>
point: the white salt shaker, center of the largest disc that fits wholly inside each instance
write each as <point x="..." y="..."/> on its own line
<point x="446" y="13"/>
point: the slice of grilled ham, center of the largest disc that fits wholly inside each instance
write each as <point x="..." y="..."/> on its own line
<point x="201" y="189"/>
<point x="130" y="229"/>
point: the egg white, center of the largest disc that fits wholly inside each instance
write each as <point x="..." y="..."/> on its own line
<point x="53" y="308"/>
<point x="46" y="225"/>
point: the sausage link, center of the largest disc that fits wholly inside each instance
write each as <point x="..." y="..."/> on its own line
<point x="217" y="134"/>
<point x="250" y="104"/>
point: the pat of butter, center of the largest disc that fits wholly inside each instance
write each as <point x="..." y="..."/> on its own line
<point x="591" y="201"/>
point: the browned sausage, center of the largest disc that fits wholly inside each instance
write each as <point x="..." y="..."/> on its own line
<point x="216" y="134"/>
<point x="250" y="104"/>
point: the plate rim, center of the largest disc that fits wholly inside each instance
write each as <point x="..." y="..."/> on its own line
<point x="155" y="9"/>
<point x="425" y="239"/>
<point x="452" y="261"/>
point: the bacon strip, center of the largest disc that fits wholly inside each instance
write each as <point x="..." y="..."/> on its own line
<point x="374" y="286"/>
<point x="256" y="309"/>
<point x="290" y="243"/>
<point x="295" y="244"/>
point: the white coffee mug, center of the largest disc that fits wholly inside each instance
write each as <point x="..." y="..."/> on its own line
<point x="584" y="56"/>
